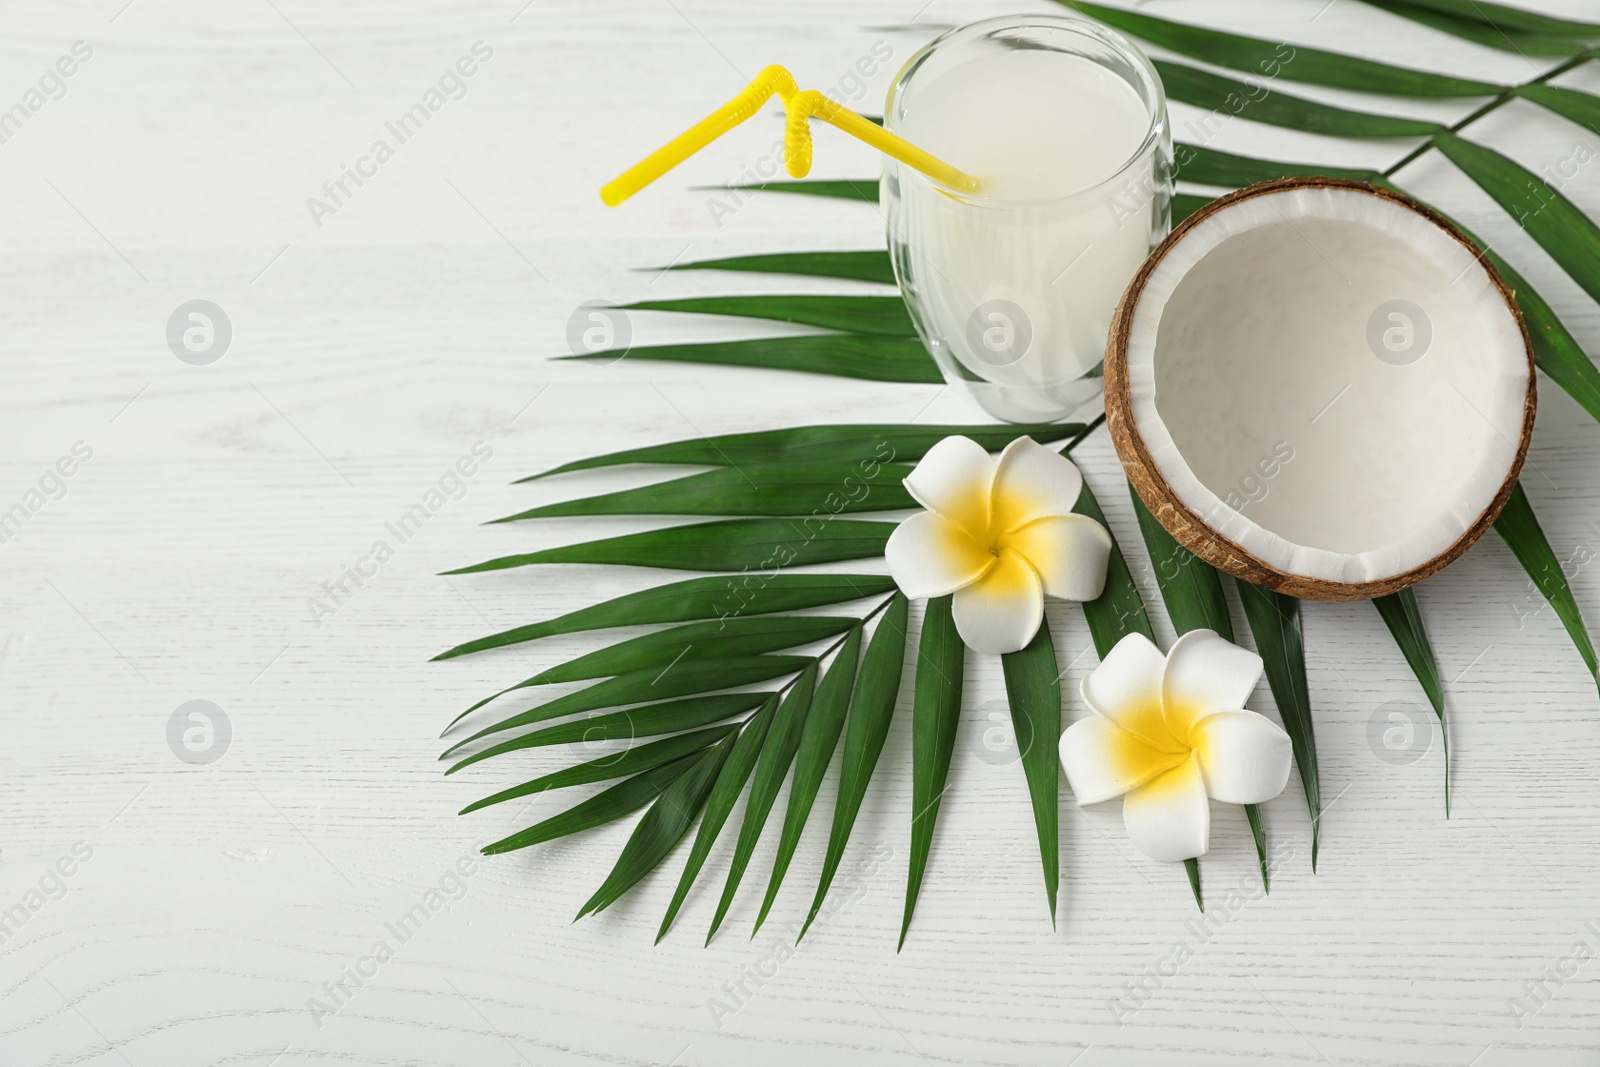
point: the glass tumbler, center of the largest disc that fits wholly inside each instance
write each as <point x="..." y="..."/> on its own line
<point x="1013" y="295"/>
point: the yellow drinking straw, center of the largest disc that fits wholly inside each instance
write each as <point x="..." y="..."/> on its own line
<point x="799" y="106"/>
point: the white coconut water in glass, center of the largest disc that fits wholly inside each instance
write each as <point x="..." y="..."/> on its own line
<point x="1013" y="288"/>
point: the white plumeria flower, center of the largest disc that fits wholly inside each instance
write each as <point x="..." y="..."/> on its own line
<point x="999" y="534"/>
<point x="1167" y="732"/>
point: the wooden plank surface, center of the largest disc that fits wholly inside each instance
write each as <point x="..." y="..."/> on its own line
<point x="207" y="913"/>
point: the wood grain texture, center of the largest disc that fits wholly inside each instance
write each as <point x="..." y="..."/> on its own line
<point x="371" y="353"/>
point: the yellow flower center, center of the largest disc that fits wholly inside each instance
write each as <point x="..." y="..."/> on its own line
<point x="1145" y="748"/>
<point x="984" y="532"/>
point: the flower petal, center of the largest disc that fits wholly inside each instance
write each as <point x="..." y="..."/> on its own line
<point x="1244" y="756"/>
<point x="1170" y="819"/>
<point x="1205" y="673"/>
<point x="929" y="555"/>
<point x="1103" y="761"/>
<point x="1126" y="688"/>
<point x="953" y="479"/>
<point x="1001" y="611"/>
<point x="1069" y="552"/>
<point x="1030" y="482"/>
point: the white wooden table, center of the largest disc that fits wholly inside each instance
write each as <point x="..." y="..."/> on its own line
<point x="206" y="909"/>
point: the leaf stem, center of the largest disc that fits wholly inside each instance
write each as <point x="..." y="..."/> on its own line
<point x="1505" y="96"/>
<point x="1083" y="434"/>
<point x="820" y="656"/>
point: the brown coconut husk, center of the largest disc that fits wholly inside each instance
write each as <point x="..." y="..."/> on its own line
<point x="1189" y="529"/>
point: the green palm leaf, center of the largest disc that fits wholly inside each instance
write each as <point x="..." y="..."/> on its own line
<point x="662" y="827"/>
<point x="1033" y="688"/>
<point x="719" y="804"/>
<point x="871" y="710"/>
<point x="719" y="546"/>
<point x="696" y="640"/>
<point x="688" y="678"/>
<point x="624" y="798"/>
<point x="1519" y="528"/>
<point x="1186" y="204"/>
<point x="1565" y="232"/>
<point x="844" y="355"/>
<point x="783" y="740"/>
<point x="1258" y="832"/>
<point x="691" y="641"/>
<point x="794" y="488"/>
<point x="1229" y="96"/>
<point x="1555" y="350"/>
<point x="1275" y="623"/>
<point x="865" y="266"/>
<point x="935" y="717"/>
<point x="1190" y="587"/>
<point x="854" y="314"/>
<point x="613" y="765"/>
<point x="867" y="442"/>
<point x="1490" y="35"/>
<point x="1403" y="615"/>
<point x="1572" y="104"/>
<point x="1207" y="166"/>
<point x="1296" y="63"/>
<point x="1191" y="867"/>
<point x="818" y="739"/>
<point x="1516" y="19"/>
<point x="1119" y="611"/>
<point x="694" y="598"/>
<point x="841" y="189"/>
<point x="651" y="720"/>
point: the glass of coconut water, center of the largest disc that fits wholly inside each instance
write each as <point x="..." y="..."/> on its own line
<point x="1013" y="288"/>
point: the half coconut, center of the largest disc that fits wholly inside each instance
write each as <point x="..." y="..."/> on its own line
<point x="1320" y="387"/>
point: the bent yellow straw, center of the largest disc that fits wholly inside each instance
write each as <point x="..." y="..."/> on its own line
<point x="799" y="106"/>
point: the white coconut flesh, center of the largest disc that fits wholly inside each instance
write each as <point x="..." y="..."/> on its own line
<point x="1273" y="418"/>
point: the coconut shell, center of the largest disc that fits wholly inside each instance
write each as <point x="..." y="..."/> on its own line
<point x="1189" y="529"/>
